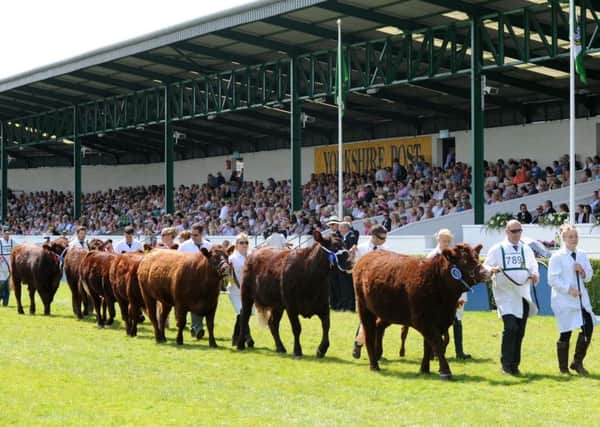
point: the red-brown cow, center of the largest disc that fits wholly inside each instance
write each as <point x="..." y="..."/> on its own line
<point x="188" y="281"/>
<point x="95" y="280"/>
<point x="126" y="289"/>
<point x="40" y="268"/>
<point x="82" y="303"/>
<point x="296" y="281"/>
<point x="421" y="293"/>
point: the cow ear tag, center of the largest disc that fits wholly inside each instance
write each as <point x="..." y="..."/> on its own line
<point x="455" y="273"/>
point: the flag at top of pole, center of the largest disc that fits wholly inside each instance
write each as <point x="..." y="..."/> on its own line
<point x="579" y="52"/>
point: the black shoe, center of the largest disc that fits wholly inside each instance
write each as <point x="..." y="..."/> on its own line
<point x="356" y="350"/>
<point x="463" y="356"/>
<point x="198" y="334"/>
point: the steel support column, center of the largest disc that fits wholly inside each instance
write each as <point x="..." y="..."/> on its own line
<point x="295" y="138"/>
<point x="4" y="165"/>
<point x="477" y="121"/>
<point x="169" y="156"/>
<point x="76" y="168"/>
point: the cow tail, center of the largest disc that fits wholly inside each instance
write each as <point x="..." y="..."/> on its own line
<point x="263" y="314"/>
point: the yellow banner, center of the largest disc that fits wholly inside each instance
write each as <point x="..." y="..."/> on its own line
<point x="361" y="157"/>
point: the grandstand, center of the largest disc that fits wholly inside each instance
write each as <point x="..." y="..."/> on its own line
<point x="121" y="133"/>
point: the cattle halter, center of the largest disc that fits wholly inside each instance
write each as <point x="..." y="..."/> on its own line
<point x="333" y="258"/>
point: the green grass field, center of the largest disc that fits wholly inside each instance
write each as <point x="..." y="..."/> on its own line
<point x="60" y="371"/>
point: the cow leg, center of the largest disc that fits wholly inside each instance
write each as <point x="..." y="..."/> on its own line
<point x="151" y="309"/>
<point x="163" y="314"/>
<point x="403" y="335"/>
<point x="380" y="331"/>
<point x="296" y="329"/>
<point x="427" y="355"/>
<point x="132" y="319"/>
<point x="110" y="304"/>
<point x="210" y="325"/>
<point x="181" y="318"/>
<point x="325" y="323"/>
<point x="46" y="300"/>
<point x="437" y="344"/>
<point x="123" y="308"/>
<point x="75" y="300"/>
<point x="368" y="321"/>
<point x="31" y="289"/>
<point x="274" y="320"/>
<point x="17" y="291"/>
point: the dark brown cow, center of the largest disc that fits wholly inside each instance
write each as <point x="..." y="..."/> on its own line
<point x="293" y="280"/>
<point x="126" y="289"/>
<point x="72" y="264"/>
<point x="40" y="268"/>
<point x="187" y="281"/>
<point x="95" y="280"/>
<point x="420" y="293"/>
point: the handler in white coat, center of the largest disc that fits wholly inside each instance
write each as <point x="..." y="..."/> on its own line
<point x="514" y="269"/>
<point x="444" y="239"/>
<point x="237" y="260"/>
<point x="568" y="270"/>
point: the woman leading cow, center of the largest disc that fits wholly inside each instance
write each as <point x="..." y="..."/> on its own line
<point x="237" y="260"/>
<point x="568" y="271"/>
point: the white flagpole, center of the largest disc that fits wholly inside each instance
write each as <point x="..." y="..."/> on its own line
<point x="340" y="106"/>
<point x="571" y="113"/>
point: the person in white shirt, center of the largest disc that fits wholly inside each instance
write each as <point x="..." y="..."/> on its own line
<point x="6" y="246"/>
<point x="193" y="245"/>
<point x="569" y="269"/>
<point x="376" y="242"/>
<point x="79" y="242"/>
<point x="514" y="267"/>
<point x="237" y="260"/>
<point x="444" y="239"/>
<point x="129" y="244"/>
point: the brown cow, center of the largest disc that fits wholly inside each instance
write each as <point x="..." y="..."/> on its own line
<point x="95" y="280"/>
<point x="188" y="281"/>
<point x="126" y="289"/>
<point x="72" y="264"/>
<point x="296" y="281"/>
<point x="413" y="291"/>
<point x="40" y="268"/>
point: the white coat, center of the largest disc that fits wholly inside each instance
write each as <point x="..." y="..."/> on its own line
<point x="507" y="295"/>
<point x="460" y="310"/>
<point x="561" y="277"/>
<point x="237" y="261"/>
<point x="367" y="247"/>
<point x="190" y="246"/>
<point x="122" y="246"/>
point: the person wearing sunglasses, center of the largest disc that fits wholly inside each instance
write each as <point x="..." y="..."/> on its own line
<point x="514" y="270"/>
<point x="237" y="260"/>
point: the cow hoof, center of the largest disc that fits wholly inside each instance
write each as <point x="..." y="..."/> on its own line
<point x="241" y="346"/>
<point x="213" y="344"/>
<point x="110" y="322"/>
<point x="179" y="341"/>
<point x="320" y="354"/>
<point x="402" y="353"/>
<point x="446" y="377"/>
<point x="374" y="368"/>
<point x="281" y="350"/>
<point x="250" y="343"/>
<point x="20" y="311"/>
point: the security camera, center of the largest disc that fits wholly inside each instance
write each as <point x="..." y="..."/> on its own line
<point x="305" y="118"/>
<point x="179" y="135"/>
<point x="491" y="90"/>
<point x="86" y="150"/>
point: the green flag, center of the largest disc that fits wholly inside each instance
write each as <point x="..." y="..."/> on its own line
<point x="340" y="95"/>
<point x="579" y="55"/>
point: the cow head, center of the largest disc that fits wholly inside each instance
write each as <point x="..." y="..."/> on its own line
<point x="465" y="264"/>
<point x="218" y="259"/>
<point x="333" y="245"/>
<point x="95" y="244"/>
<point x="57" y="246"/>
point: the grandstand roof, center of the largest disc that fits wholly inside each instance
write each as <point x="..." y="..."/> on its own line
<point x="525" y="57"/>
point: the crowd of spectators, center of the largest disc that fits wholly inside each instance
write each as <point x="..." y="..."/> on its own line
<point x="401" y="195"/>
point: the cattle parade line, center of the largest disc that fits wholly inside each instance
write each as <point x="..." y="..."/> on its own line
<point x="71" y="361"/>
